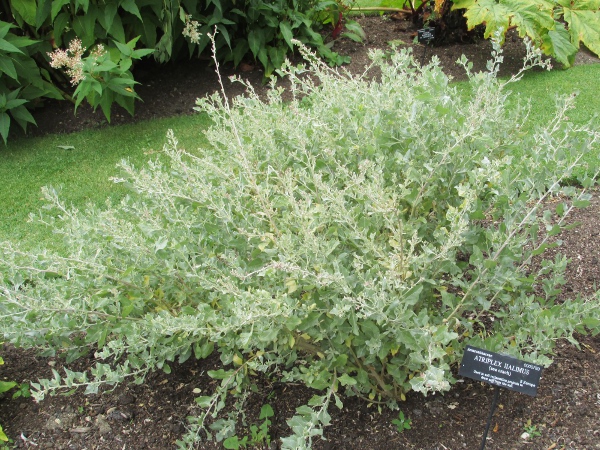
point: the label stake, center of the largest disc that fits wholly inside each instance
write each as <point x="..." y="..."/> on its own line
<point x="501" y="371"/>
<point x="425" y="36"/>
<point x="489" y="421"/>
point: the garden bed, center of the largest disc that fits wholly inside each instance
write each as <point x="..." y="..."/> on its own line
<point x="566" y="412"/>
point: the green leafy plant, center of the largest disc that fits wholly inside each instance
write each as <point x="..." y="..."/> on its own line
<point x="319" y="242"/>
<point x="558" y="27"/>
<point x="104" y="76"/>
<point x="22" y="82"/>
<point x="402" y="423"/>
<point x="4" y="387"/>
<point x="259" y="434"/>
<point x="531" y="430"/>
<point x="265" y="31"/>
<point x="257" y="30"/>
<point x="235" y="443"/>
<point x="22" y="391"/>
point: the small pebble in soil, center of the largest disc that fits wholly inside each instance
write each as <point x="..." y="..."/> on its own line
<point x="119" y="415"/>
<point x="103" y="425"/>
<point x="126" y="399"/>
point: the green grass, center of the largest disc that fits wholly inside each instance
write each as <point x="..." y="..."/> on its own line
<point x="543" y="88"/>
<point x="83" y="173"/>
<point x="378" y="3"/>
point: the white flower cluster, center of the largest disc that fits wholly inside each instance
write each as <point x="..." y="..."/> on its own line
<point x="191" y="29"/>
<point x="71" y="59"/>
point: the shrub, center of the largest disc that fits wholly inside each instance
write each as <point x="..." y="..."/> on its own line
<point x="255" y="29"/>
<point x="101" y="78"/>
<point x="354" y="239"/>
<point x="556" y="27"/>
<point x="262" y="29"/>
<point x="22" y="82"/>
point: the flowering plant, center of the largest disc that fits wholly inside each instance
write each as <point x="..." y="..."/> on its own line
<point x="71" y="60"/>
<point x="100" y="79"/>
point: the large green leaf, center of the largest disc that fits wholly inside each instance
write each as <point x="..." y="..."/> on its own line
<point x="538" y="19"/>
<point x="149" y="33"/>
<point x="141" y="52"/>
<point x="125" y="49"/>
<point x="286" y="32"/>
<point x="4" y="127"/>
<point x="6" y="385"/>
<point x="26" y="9"/>
<point x="14" y="103"/>
<point x="22" y="116"/>
<point x="584" y="26"/>
<point x="558" y="44"/>
<point x="256" y="40"/>
<point x="532" y="17"/>
<point x="105" y="104"/>
<point x="493" y="14"/>
<point x="56" y="7"/>
<point x="239" y="51"/>
<point x="20" y="41"/>
<point x="7" y="67"/>
<point x="8" y="47"/>
<point x="5" y="28"/>
<point x="85" y="26"/>
<point x="84" y="4"/>
<point x="110" y="12"/>
<point x="63" y="20"/>
<point x="27" y="70"/>
<point x="117" y="31"/>
<point x="131" y="7"/>
<point x="44" y="9"/>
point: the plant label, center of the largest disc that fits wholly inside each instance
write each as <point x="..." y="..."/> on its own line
<point x="426" y="35"/>
<point x="500" y="370"/>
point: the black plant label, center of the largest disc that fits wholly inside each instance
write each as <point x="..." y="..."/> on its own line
<point x="500" y="370"/>
<point x="426" y="35"/>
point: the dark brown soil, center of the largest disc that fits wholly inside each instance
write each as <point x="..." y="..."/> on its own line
<point x="566" y="411"/>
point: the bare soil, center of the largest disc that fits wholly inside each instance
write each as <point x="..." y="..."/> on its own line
<point x="566" y="411"/>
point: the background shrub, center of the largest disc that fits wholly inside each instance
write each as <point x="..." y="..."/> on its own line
<point x="33" y="31"/>
<point x="354" y="239"/>
<point x="558" y="28"/>
<point x="22" y="81"/>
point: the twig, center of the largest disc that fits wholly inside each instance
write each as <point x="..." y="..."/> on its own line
<point x="28" y="441"/>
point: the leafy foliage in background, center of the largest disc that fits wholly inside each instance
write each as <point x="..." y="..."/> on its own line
<point x="319" y="242"/>
<point x="558" y="27"/>
<point x="252" y="29"/>
<point x="22" y="81"/>
<point x="107" y="81"/>
<point x="264" y="30"/>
